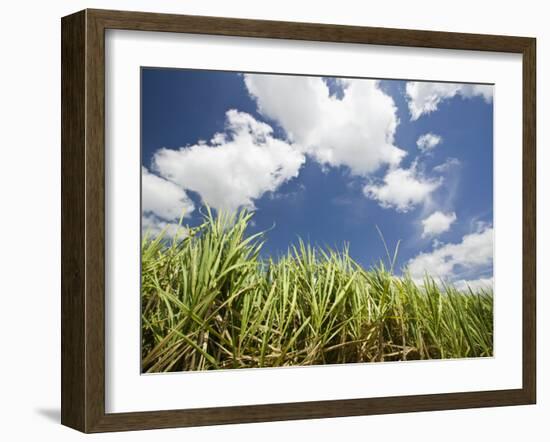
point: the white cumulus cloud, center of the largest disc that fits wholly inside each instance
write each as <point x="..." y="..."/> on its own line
<point x="153" y="226"/>
<point x="236" y="167"/>
<point x="402" y="189"/>
<point x="474" y="284"/>
<point x="425" y="97"/>
<point x="437" y="223"/>
<point x="428" y="141"/>
<point x="355" y="130"/>
<point x="163" y="198"/>
<point x="473" y="254"/>
<point x="163" y="204"/>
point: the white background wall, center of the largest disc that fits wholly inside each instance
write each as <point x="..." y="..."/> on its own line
<point x="30" y="220"/>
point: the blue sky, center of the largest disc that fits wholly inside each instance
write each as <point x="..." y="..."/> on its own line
<point x="327" y="160"/>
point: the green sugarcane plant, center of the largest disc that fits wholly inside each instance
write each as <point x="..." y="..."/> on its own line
<point x="210" y="301"/>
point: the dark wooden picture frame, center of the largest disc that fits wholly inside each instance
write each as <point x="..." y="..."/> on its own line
<point x="83" y="220"/>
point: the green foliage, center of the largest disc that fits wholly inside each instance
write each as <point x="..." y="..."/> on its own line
<point x="210" y="302"/>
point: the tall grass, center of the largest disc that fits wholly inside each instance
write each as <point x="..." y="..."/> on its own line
<point x="209" y="301"/>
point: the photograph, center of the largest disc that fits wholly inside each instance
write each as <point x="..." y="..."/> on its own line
<point x="302" y="220"/>
<point x="292" y="219"/>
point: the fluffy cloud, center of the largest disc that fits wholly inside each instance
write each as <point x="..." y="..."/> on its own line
<point x="163" y="198"/>
<point x="163" y="202"/>
<point x="402" y="189"/>
<point x="424" y="97"/>
<point x="428" y="141"/>
<point x="356" y="130"/>
<point x="437" y="223"/>
<point x="474" y="284"/>
<point x="153" y="226"/>
<point x="472" y="254"/>
<point x="237" y="167"/>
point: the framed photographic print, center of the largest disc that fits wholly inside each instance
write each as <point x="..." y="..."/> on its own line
<point x="268" y="220"/>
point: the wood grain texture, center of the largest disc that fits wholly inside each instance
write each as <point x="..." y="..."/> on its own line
<point x="83" y="220"/>
<point x="529" y="220"/>
<point x="145" y="21"/>
<point x="95" y="222"/>
<point x="73" y="255"/>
